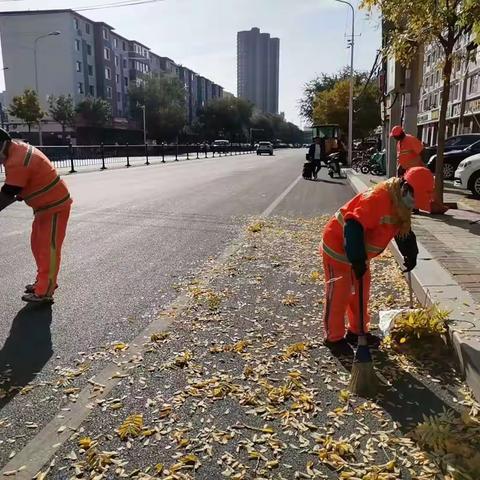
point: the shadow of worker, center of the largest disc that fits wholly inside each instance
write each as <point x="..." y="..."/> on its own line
<point x="26" y="350"/>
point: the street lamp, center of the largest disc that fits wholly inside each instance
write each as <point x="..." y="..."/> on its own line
<point x="144" y="125"/>
<point x="50" y="34"/>
<point x="350" y="103"/>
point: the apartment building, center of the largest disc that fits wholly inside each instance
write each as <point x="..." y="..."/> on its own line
<point x="258" y="69"/>
<point x="80" y="57"/>
<point x="463" y="111"/>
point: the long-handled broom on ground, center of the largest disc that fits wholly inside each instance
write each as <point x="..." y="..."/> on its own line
<point x="364" y="381"/>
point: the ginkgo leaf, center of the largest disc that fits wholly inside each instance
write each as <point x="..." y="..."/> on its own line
<point x="131" y="427"/>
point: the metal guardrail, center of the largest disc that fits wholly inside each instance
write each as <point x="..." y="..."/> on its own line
<point x="76" y="156"/>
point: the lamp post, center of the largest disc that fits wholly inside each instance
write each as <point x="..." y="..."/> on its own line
<point x="350" y="103"/>
<point x="144" y="125"/>
<point x="35" y="43"/>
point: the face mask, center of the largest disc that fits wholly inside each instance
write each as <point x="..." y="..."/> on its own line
<point x="408" y="200"/>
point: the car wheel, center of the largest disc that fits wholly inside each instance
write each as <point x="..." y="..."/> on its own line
<point x="474" y="184"/>
<point x="448" y="171"/>
<point x="365" y="169"/>
<point x="271" y="154"/>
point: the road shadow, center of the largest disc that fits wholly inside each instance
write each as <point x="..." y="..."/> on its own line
<point x="472" y="225"/>
<point x="407" y="399"/>
<point x="333" y="182"/>
<point x="26" y="350"/>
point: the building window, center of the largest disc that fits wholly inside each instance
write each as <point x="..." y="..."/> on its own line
<point x="119" y="97"/>
<point x="125" y="81"/>
<point x="124" y="46"/>
<point x="125" y="63"/>
<point x="117" y="78"/>
<point x="90" y="70"/>
<point x="474" y="83"/>
<point x="77" y="45"/>
<point x="117" y="61"/>
<point x="92" y="90"/>
<point x="106" y="53"/>
<point x="75" y="23"/>
<point x="87" y="28"/>
<point x="78" y="66"/>
<point x="109" y="92"/>
<point x="89" y="49"/>
<point x="80" y="88"/>
<point x="115" y="43"/>
<point x="105" y="34"/>
<point x="108" y="73"/>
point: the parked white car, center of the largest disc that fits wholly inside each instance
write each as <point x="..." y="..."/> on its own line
<point x="467" y="174"/>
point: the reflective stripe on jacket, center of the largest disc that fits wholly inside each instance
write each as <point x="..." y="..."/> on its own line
<point x="42" y="188"/>
<point x="409" y="150"/>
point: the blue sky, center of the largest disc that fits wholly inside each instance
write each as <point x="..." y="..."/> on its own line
<point x="201" y="34"/>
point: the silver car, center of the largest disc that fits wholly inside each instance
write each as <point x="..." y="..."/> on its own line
<point x="265" y="147"/>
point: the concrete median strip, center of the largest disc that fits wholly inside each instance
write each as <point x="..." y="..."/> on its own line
<point x="432" y="283"/>
<point x="39" y="451"/>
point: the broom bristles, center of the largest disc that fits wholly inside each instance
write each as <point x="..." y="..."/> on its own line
<point x="364" y="381"/>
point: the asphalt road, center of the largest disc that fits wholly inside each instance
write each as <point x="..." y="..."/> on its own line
<point x="133" y="234"/>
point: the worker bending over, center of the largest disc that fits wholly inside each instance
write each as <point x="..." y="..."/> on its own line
<point x="32" y="178"/>
<point x="358" y="232"/>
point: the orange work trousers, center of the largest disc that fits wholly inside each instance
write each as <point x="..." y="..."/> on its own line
<point x="341" y="297"/>
<point x="48" y="233"/>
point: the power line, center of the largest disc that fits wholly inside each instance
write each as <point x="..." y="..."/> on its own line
<point x="125" y="3"/>
<point x="118" y="4"/>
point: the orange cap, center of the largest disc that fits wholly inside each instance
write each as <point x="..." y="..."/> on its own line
<point x="422" y="181"/>
<point x="397" y="130"/>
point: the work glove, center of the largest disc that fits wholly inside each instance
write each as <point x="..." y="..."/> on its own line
<point x="407" y="244"/>
<point x="359" y="268"/>
<point x="410" y="262"/>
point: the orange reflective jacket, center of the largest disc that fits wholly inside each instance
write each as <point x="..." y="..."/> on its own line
<point x="408" y="152"/>
<point x="30" y="169"/>
<point x="374" y="210"/>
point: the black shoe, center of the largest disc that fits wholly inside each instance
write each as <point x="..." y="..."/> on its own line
<point x="38" y="300"/>
<point x="372" y="340"/>
<point x="415" y="211"/>
<point x="340" y="347"/>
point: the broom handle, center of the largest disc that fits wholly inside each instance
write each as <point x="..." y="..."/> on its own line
<point x="360" y="305"/>
<point x="410" y="289"/>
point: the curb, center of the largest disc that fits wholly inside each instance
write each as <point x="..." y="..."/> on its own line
<point x="433" y="284"/>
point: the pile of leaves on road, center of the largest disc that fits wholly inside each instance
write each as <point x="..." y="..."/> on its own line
<point x="241" y="387"/>
<point x="419" y="324"/>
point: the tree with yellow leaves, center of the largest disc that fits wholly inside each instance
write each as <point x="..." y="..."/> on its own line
<point x="412" y="23"/>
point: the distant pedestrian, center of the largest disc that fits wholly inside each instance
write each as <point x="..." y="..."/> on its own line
<point x="31" y="177"/>
<point x="316" y="154"/>
<point x="409" y="150"/>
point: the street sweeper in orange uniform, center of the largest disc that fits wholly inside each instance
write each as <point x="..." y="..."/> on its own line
<point x="358" y="232"/>
<point x="32" y="178"/>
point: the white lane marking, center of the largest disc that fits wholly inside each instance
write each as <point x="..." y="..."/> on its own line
<point x="268" y="211"/>
<point x="45" y="444"/>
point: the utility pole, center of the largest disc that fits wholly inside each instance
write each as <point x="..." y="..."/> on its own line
<point x="350" y="103"/>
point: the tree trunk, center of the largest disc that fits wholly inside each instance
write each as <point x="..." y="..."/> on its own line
<point x="63" y="133"/>
<point x="442" y="121"/>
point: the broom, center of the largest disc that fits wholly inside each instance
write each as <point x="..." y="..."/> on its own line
<point x="363" y="381"/>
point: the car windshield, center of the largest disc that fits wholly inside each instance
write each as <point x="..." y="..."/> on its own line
<point x="264" y="144"/>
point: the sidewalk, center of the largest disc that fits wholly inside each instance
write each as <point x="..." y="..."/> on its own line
<point x="233" y="382"/>
<point x="448" y="271"/>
